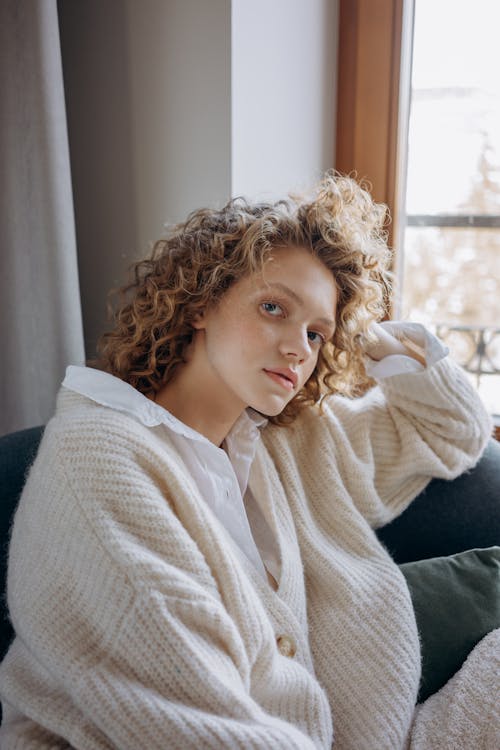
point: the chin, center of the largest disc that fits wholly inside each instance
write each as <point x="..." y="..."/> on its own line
<point x="269" y="410"/>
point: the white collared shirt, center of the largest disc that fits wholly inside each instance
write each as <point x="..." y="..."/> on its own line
<point x="222" y="477"/>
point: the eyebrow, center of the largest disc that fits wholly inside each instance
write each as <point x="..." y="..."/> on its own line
<point x="297" y="299"/>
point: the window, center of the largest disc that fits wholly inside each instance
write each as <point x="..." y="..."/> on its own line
<point x="450" y="271"/>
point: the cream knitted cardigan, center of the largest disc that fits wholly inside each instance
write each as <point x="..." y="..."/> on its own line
<point x="139" y="626"/>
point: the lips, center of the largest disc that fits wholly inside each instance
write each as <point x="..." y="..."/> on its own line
<point x="283" y="375"/>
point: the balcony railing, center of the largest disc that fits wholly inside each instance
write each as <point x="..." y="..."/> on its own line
<point x="476" y="348"/>
<point x="464" y="221"/>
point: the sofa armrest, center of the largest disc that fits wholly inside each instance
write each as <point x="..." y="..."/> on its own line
<point x="450" y="516"/>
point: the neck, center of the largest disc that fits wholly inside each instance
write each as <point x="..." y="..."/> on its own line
<point x="199" y="402"/>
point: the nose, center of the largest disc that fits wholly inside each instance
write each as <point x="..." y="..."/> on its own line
<point x="295" y="346"/>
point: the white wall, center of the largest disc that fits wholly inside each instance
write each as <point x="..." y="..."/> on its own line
<point x="283" y="94"/>
<point x="147" y="87"/>
<point x="228" y="97"/>
<point x="180" y="76"/>
<point x="177" y="104"/>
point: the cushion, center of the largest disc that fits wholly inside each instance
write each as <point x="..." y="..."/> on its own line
<point x="457" y="602"/>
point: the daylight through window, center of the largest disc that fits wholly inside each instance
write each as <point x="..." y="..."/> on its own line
<point x="451" y="268"/>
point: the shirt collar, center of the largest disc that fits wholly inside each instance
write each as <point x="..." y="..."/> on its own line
<point x="109" y="390"/>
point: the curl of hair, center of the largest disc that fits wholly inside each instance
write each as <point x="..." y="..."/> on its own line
<point x="192" y="267"/>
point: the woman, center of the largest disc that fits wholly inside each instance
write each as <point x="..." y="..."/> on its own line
<point x="193" y="562"/>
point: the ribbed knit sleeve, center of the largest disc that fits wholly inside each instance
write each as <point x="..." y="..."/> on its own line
<point x="125" y="639"/>
<point x="410" y="428"/>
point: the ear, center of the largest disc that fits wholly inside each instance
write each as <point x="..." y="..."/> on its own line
<point x="199" y="321"/>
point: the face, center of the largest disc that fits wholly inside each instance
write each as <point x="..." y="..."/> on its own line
<point x="261" y="343"/>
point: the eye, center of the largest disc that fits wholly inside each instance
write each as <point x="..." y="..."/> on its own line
<point x="272" y="308"/>
<point x="315" y="337"/>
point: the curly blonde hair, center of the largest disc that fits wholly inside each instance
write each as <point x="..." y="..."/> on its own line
<point x="195" y="264"/>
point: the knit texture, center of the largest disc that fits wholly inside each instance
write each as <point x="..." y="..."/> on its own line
<point x="138" y="624"/>
<point x="465" y="713"/>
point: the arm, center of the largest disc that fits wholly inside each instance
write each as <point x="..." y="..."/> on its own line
<point x="413" y="426"/>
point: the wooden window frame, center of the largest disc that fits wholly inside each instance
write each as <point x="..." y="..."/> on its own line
<point x="372" y="105"/>
<point x="368" y="96"/>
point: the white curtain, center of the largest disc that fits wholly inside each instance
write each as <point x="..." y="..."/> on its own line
<point x="40" y="312"/>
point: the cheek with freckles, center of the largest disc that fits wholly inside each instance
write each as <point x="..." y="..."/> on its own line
<point x="251" y="335"/>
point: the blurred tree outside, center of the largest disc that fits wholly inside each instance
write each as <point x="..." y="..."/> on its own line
<point x="452" y="280"/>
<point x="449" y="261"/>
<point x="452" y="275"/>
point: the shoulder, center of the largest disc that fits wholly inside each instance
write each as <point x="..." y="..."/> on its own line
<point x="83" y="431"/>
<point x="113" y="486"/>
<point x="300" y="444"/>
<point x="104" y="465"/>
<point x="100" y="456"/>
<point x="332" y="417"/>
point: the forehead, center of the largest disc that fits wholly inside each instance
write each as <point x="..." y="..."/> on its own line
<point x="298" y="273"/>
<point x="289" y="259"/>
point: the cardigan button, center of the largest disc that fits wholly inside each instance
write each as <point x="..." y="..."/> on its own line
<point x="286" y="645"/>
